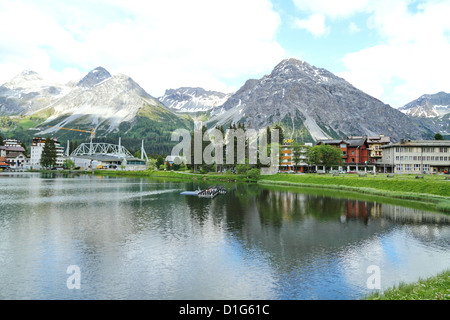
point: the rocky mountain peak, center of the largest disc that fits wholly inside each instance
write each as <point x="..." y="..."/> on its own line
<point x="428" y="105"/>
<point x="22" y="78"/>
<point x="193" y="99"/>
<point x="312" y="104"/>
<point x="94" y="77"/>
<point x="294" y="69"/>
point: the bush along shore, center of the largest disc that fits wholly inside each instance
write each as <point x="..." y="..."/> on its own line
<point x="434" y="191"/>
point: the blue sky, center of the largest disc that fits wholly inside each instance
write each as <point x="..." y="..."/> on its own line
<point x="393" y="50"/>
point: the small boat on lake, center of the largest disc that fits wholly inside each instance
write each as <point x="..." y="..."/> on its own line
<point x="211" y="192"/>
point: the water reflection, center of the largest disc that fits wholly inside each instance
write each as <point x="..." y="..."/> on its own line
<point x="139" y="239"/>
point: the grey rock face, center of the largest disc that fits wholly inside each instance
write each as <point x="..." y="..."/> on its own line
<point x="28" y="92"/>
<point x="187" y="99"/>
<point x="429" y="105"/>
<point x="94" y="77"/>
<point x="305" y="98"/>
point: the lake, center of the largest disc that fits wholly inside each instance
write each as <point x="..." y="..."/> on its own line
<point x="92" y="237"/>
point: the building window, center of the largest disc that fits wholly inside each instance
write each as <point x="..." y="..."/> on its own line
<point x="399" y="167"/>
<point x="417" y="167"/>
<point x="407" y="167"/>
<point x="426" y="167"/>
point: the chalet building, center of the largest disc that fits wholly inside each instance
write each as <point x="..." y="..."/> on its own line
<point x="375" y="143"/>
<point x="355" y="151"/>
<point x="5" y="150"/>
<point x="17" y="160"/>
<point x="417" y="156"/>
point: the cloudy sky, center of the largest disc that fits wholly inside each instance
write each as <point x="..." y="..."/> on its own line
<point x="393" y="50"/>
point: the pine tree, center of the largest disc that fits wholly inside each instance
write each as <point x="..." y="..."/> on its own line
<point x="48" y="157"/>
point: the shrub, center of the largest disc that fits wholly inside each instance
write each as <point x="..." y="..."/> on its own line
<point x="254" y="174"/>
<point x="243" y="168"/>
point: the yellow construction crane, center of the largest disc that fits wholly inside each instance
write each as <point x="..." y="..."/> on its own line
<point x="92" y="132"/>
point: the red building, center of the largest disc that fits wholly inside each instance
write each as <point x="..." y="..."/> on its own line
<point x="355" y="151"/>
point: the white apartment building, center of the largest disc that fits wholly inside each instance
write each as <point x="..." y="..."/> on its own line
<point x="12" y="143"/>
<point x="36" y="151"/>
<point x="417" y="156"/>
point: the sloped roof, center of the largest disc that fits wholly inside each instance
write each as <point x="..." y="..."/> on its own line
<point x="350" y="142"/>
<point x="12" y="149"/>
<point x="13" y="155"/>
<point x="330" y="141"/>
<point x="355" y="142"/>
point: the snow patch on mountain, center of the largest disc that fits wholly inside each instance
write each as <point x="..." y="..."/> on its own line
<point x="28" y="92"/>
<point x="187" y="99"/>
<point x="113" y="101"/>
<point x="428" y="106"/>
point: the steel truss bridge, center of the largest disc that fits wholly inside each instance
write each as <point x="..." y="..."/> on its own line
<point x="101" y="148"/>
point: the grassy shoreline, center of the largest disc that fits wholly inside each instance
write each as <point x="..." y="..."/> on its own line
<point x="433" y="288"/>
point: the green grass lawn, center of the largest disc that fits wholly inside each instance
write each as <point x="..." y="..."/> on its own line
<point x="433" y="189"/>
<point x="434" y="288"/>
<point x="432" y="185"/>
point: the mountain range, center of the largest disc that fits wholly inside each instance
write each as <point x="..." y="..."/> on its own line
<point x="116" y="106"/>
<point x="310" y="103"/>
<point x="313" y="104"/>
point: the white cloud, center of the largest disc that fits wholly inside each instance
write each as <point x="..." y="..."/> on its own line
<point x="411" y="57"/>
<point x="414" y="57"/>
<point x="162" y="44"/>
<point x="314" y="24"/>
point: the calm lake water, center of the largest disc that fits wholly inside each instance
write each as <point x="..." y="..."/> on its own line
<point x="135" y="238"/>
